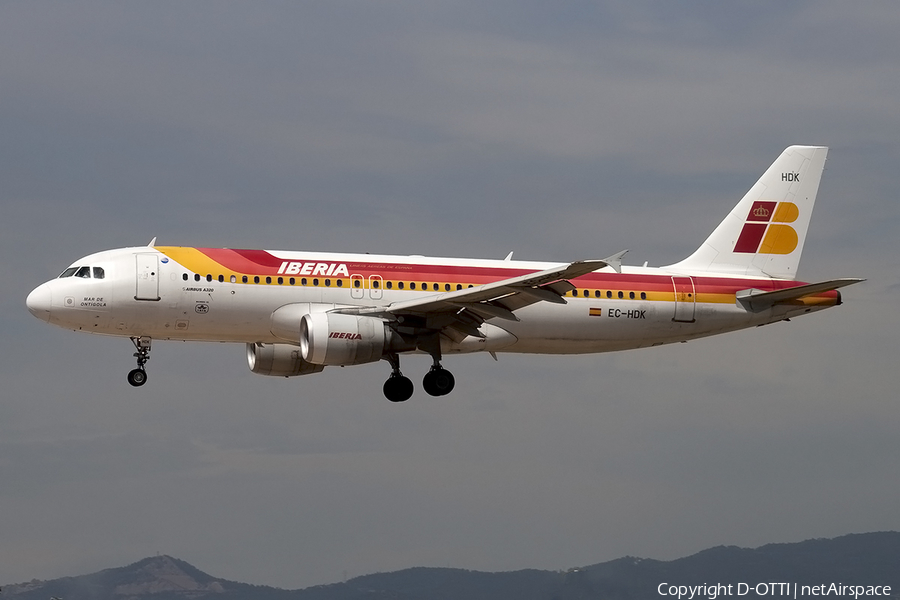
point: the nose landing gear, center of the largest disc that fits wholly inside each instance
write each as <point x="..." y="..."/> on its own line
<point x="138" y="377"/>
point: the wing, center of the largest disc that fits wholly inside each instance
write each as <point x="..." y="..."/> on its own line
<point x="463" y="311"/>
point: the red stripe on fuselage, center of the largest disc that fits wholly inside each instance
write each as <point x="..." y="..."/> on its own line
<point x="252" y="262"/>
<point x="261" y="262"/>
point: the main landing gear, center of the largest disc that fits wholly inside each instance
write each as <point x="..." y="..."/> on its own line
<point x="399" y="388"/>
<point x="138" y="377"/>
<point x="438" y="381"/>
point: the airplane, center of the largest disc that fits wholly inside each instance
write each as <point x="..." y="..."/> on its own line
<point x="298" y="312"/>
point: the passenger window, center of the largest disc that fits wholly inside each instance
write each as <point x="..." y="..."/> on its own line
<point x="292" y="281"/>
<point x="243" y="279"/>
<point x="233" y="279"/>
<point x="316" y="281"/>
<point x="84" y="272"/>
<point x="221" y="279"/>
<point x="340" y="283"/>
<point x="268" y="280"/>
<point x="375" y="284"/>
<point x="459" y="286"/>
<point x="609" y="293"/>
<point x="621" y="295"/>
<point x="99" y="273"/>
<point x="446" y="287"/>
<point x="586" y="293"/>
<point x="280" y="280"/>
<point x="327" y="283"/>
<point x="356" y="283"/>
<point x="643" y="295"/>
<point x="303" y="281"/>
<point x="184" y="276"/>
<point x="256" y="279"/>
<point x="631" y="295"/>
<point x="436" y="287"/>
<point x="400" y="285"/>
<point x="597" y="293"/>
<point x="196" y="276"/>
<point x="390" y="285"/>
<point x="209" y="277"/>
<point x="412" y="285"/>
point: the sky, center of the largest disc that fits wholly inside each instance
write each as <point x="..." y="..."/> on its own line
<point x="557" y="131"/>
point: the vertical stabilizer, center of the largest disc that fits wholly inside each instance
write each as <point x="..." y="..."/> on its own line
<point x="764" y="234"/>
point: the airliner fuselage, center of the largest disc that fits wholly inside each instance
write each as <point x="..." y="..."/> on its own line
<point x="145" y="292"/>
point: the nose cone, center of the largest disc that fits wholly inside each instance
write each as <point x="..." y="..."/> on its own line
<point x="39" y="302"/>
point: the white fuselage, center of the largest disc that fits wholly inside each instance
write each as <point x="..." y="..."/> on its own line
<point x="146" y="292"/>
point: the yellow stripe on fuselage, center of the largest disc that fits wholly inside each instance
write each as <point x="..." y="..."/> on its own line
<point x="195" y="261"/>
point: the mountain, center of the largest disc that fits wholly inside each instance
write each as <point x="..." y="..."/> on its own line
<point x="867" y="559"/>
<point x="159" y="578"/>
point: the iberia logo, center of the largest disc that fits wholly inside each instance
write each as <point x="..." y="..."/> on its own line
<point x="766" y="231"/>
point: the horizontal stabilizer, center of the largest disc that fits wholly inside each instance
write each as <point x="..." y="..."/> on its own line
<point x="757" y="300"/>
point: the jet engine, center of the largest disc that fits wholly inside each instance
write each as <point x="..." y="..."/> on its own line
<point x="338" y="339"/>
<point x="279" y="360"/>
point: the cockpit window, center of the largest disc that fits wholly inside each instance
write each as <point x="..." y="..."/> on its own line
<point x="83" y="272"/>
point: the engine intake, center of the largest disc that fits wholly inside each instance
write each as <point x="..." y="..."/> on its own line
<point x="279" y="360"/>
<point x="337" y="339"/>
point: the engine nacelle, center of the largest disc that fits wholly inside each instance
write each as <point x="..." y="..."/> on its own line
<point x="337" y="339"/>
<point x="279" y="360"/>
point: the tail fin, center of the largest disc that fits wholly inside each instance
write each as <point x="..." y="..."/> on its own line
<point x="764" y="234"/>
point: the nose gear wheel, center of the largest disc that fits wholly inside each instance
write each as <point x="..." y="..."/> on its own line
<point x="137" y="377"/>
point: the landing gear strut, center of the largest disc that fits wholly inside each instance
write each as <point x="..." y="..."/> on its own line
<point x="138" y="377"/>
<point x="397" y="388"/>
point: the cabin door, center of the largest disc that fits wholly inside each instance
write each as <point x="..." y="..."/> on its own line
<point x="147" y="272"/>
<point x="685" y="299"/>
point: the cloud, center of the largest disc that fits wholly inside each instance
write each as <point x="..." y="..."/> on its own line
<point x="445" y="129"/>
